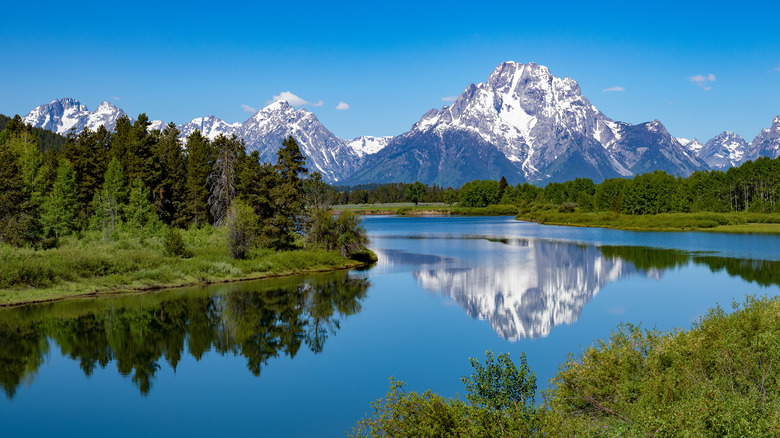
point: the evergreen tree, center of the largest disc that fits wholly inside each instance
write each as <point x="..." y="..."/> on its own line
<point x="287" y="197"/>
<point x="109" y="201"/>
<point x="200" y="164"/>
<point x="140" y="214"/>
<point x="60" y="207"/>
<point x="223" y="178"/>
<point x="169" y="195"/>
<point x="18" y="224"/>
<point x="89" y="161"/>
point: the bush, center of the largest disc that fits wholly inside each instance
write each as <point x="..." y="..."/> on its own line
<point x="567" y="207"/>
<point x="173" y="244"/>
<point x="500" y="404"/>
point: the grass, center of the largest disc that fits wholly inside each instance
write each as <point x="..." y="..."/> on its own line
<point x="765" y="223"/>
<point x="91" y="265"/>
<point x="426" y="209"/>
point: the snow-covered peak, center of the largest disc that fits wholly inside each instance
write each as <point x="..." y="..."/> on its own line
<point x="725" y="150"/>
<point x="60" y="116"/>
<point x="368" y="145"/>
<point x="210" y="127"/>
<point x="156" y="125"/>
<point x="524" y="110"/>
<point x="694" y="146"/>
<point x="767" y="142"/>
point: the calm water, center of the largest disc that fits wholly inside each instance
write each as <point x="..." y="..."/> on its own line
<point x="306" y="356"/>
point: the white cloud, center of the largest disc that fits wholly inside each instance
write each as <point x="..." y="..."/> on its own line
<point x="114" y="98"/>
<point x="342" y="106"/>
<point x="248" y="109"/>
<point x="702" y="80"/>
<point x="778" y="67"/>
<point x="449" y="99"/>
<point x="618" y="88"/>
<point x="294" y="100"/>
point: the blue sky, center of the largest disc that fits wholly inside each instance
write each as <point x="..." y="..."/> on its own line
<point x="700" y="68"/>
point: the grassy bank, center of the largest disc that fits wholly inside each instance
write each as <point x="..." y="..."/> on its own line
<point x="93" y="266"/>
<point x="719" y="378"/>
<point x="426" y="209"/>
<point x="716" y="222"/>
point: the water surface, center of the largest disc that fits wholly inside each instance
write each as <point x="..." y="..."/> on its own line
<point x="305" y="356"/>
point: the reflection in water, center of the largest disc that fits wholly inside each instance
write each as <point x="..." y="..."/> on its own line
<point x="554" y="280"/>
<point x="137" y="334"/>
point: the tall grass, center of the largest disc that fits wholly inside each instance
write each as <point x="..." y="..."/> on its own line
<point x="92" y="263"/>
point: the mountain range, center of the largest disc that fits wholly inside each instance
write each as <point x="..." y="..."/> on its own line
<point x="524" y="123"/>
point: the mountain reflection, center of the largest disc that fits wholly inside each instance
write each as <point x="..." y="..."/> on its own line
<point x="137" y="333"/>
<point x="553" y="280"/>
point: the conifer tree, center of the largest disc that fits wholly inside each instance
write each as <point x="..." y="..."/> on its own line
<point x="287" y="196"/>
<point x="60" y="207"/>
<point x="228" y="152"/>
<point x="109" y="201"/>
<point x="169" y="195"/>
<point x="141" y="217"/>
<point x="200" y="164"/>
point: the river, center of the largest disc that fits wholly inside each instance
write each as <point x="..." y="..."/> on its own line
<point x="305" y="356"/>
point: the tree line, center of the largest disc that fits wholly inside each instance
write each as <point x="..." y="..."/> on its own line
<point x="753" y="187"/>
<point x="146" y="181"/>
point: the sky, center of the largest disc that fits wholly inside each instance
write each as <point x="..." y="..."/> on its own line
<point x="375" y="67"/>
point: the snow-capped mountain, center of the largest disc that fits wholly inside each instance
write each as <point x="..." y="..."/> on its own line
<point x="723" y="151"/>
<point x="766" y="143"/>
<point x="649" y="146"/>
<point x="65" y="115"/>
<point x="325" y="153"/>
<point x="210" y="127"/>
<point x="693" y="146"/>
<point x="368" y="145"/>
<point x="538" y="123"/>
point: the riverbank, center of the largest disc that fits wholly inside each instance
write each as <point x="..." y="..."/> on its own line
<point x="759" y="223"/>
<point x="425" y="209"/>
<point x="91" y="266"/>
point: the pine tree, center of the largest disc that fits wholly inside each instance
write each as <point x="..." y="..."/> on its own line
<point x="223" y="179"/>
<point x="200" y="164"/>
<point x="60" y="207"/>
<point x="140" y="211"/>
<point x="109" y="201"/>
<point x="287" y="196"/>
<point x="169" y="195"/>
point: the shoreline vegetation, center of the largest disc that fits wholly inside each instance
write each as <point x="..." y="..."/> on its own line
<point x="89" y="266"/>
<point x="718" y="378"/>
<point x="735" y="223"/>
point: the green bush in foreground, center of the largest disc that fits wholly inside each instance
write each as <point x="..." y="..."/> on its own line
<point x="500" y="404"/>
<point x="719" y="379"/>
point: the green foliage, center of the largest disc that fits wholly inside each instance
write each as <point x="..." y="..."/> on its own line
<point x="479" y="193"/>
<point x="200" y="156"/>
<point x="59" y="208"/>
<point x="718" y="379"/>
<point x="242" y="230"/>
<point x="500" y="404"/>
<point x="173" y="244"/>
<point x="109" y="202"/>
<point x="416" y="192"/>
<point x="343" y="233"/>
<point x="500" y="385"/>
<point x="140" y="214"/>
<point x="169" y="194"/>
<point x="280" y="229"/>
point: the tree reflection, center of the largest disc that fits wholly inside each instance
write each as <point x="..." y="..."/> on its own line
<point x="258" y="325"/>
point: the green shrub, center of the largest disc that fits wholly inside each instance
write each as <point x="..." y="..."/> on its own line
<point x="173" y="244"/>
